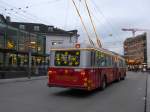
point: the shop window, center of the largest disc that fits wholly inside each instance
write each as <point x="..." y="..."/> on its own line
<point x="22" y="60"/>
<point x="1" y="59"/>
<point x="12" y="59"/>
<point x="1" y="40"/>
<point x="12" y="38"/>
<point x="40" y="45"/>
<point x="23" y="41"/>
<point x="33" y="42"/>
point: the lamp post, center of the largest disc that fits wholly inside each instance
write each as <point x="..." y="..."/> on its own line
<point x="30" y="57"/>
<point x="31" y="45"/>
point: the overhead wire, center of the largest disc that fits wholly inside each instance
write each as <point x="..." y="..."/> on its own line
<point x="77" y="25"/>
<point x="92" y="22"/>
<point x="91" y="42"/>
<point x="97" y="18"/>
<point x="12" y="14"/>
<point x="76" y="19"/>
<point x="100" y="21"/>
<point x="25" y="12"/>
<point x="110" y="25"/>
<point x="15" y="12"/>
<point x="66" y="14"/>
<point x="15" y="18"/>
<point x="42" y="3"/>
<point x="19" y="10"/>
<point x="108" y="22"/>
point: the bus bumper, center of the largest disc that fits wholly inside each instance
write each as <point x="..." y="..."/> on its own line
<point x="66" y="86"/>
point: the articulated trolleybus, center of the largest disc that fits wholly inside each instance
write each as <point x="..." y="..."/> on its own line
<point x="84" y="67"/>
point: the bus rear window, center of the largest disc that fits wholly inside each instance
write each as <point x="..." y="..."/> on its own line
<point x="67" y="58"/>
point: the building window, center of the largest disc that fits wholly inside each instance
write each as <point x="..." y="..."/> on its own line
<point x="60" y="42"/>
<point x="36" y="28"/>
<point x="11" y="41"/>
<point x="33" y="42"/>
<point x="1" y="40"/>
<point x="22" y="27"/>
<point x="73" y="39"/>
<point x="23" y="41"/>
<point x="40" y="45"/>
<point x="50" y="28"/>
<point x="1" y="20"/>
<point x="54" y="43"/>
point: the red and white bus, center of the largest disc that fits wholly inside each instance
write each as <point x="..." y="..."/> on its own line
<point x="84" y="67"/>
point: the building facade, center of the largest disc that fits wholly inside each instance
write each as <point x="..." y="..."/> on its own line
<point x="15" y="45"/>
<point x="53" y="35"/>
<point x="18" y="39"/>
<point x="135" y="51"/>
<point x="148" y="49"/>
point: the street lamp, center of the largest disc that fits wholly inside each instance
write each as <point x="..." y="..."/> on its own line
<point x="31" y="45"/>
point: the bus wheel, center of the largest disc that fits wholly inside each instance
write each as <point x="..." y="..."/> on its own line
<point x="104" y="84"/>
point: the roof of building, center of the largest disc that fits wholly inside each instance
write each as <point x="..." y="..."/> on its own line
<point x="2" y="18"/>
<point x="44" y="29"/>
<point x="138" y="37"/>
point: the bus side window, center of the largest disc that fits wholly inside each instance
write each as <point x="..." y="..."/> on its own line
<point x="111" y="61"/>
<point x="120" y="63"/>
<point x="108" y="59"/>
<point x="97" y="59"/>
<point x="92" y="58"/>
<point x="124" y="63"/>
<point x="103" y="60"/>
<point x="115" y="64"/>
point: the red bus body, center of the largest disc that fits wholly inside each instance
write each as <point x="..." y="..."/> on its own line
<point x="87" y="78"/>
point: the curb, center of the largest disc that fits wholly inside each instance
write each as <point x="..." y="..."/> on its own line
<point x="6" y="81"/>
<point x="148" y="94"/>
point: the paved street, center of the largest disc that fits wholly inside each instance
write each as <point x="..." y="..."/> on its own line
<point x="35" y="96"/>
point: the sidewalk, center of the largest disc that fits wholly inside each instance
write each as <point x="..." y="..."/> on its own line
<point x="6" y="81"/>
<point x="148" y="94"/>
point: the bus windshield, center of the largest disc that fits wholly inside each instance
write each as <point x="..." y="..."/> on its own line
<point x="67" y="58"/>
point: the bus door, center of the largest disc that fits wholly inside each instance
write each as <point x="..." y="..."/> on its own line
<point x="93" y="69"/>
<point x="115" y="70"/>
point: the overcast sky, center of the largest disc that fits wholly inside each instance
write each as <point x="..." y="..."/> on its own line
<point x="109" y="16"/>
